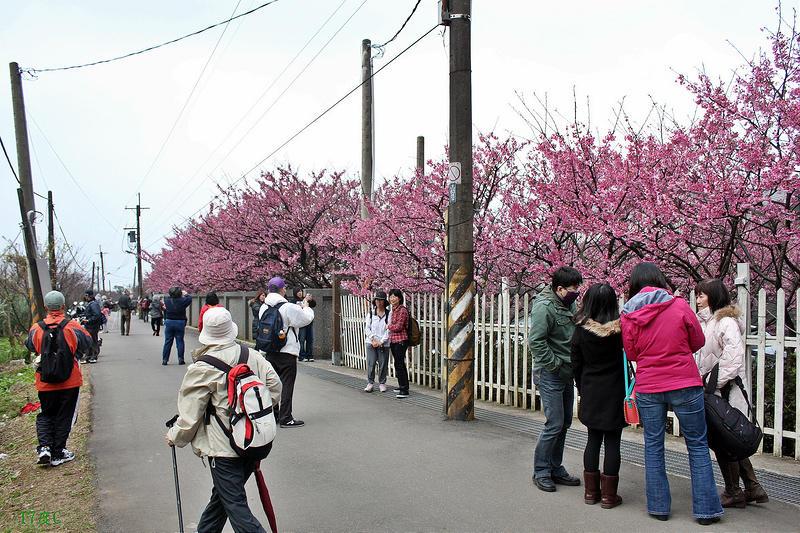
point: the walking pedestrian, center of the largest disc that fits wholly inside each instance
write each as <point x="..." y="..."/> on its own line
<point x="549" y="341"/>
<point x="598" y="365"/>
<point x="376" y="333"/>
<point x="723" y="324"/>
<point x="126" y="307"/>
<point x="145" y="305"/>
<point x="285" y="361"/>
<point x="205" y="386"/>
<point x="398" y="340"/>
<point x="59" y="401"/>
<point x="92" y="321"/>
<point x="156" y="315"/>
<point x="175" y="323"/>
<point x="661" y="333"/>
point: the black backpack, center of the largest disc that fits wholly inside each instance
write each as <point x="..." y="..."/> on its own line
<point x="730" y="432"/>
<point x="271" y="335"/>
<point x="56" y="360"/>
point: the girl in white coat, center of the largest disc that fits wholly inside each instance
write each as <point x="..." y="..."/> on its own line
<point x="723" y="325"/>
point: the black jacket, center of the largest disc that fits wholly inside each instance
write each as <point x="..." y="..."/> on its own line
<point x="124" y="302"/>
<point x="93" y="314"/>
<point x="598" y="365"/>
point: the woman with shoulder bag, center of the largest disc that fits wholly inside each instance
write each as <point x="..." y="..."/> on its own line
<point x="722" y="325"/>
<point x="596" y="358"/>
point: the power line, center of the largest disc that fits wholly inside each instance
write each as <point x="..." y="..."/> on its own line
<point x="66" y="243"/>
<point x="185" y="105"/>
<point x="339" y="101"/>
<point x="10" y="164"/>
<point x="401" y="27"/>
<point x="33" y="71"/>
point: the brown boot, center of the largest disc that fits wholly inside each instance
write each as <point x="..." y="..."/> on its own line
<point x="753" y="491"/>
<point x="608" y="489"/>
<point x="591" y="483"/>
<point x="732" y="496"/>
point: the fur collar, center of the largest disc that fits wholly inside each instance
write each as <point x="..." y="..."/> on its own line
<point x="602" y="330"/>
<point x="731" y="311"/>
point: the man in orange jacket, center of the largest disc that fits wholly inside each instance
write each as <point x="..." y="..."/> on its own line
<point x="59" y="401"/>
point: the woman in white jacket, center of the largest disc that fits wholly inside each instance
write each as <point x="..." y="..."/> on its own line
<point x="376" y="337"/>
<point x="723" y="326"/>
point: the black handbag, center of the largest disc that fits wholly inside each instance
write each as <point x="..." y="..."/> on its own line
<point x="731" y="434"/>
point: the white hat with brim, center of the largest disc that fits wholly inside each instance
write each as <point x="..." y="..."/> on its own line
<point x="218" y="327"/>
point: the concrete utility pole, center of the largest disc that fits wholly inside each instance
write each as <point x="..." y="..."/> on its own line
<point x="36" y="288"/>
<point x="459" y="401"/>
<point x="21" y="132"/>
<point x="367" y="139"/>
<point x="421" y="154"/>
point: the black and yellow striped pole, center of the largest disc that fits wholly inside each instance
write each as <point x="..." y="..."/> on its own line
<point x="459" y="401"/>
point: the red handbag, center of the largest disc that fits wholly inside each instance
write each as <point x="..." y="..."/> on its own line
<point x="629" y="403"/>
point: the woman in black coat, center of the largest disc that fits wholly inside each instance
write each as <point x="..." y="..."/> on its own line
<point x="598" y="366"/>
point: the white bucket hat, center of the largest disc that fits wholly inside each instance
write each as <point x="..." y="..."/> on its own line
<point x="218" y="327"/>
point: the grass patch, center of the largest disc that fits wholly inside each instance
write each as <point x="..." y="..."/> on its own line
<point x="10" y="350"/>
<point x="38" y="498"/>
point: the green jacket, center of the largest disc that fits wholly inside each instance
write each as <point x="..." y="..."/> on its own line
<point x="550" y="336"/>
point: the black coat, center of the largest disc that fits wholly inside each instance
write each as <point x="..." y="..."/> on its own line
<point x="598" y="366"/>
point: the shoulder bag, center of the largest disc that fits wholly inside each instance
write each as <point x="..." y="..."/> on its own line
<point x="631" y="412"/>
<point x="731" y="434"/>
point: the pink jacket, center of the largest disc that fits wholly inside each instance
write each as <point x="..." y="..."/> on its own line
<point x="661" y="333"/>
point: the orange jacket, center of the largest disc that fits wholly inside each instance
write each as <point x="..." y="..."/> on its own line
<point x="78" y="340"/>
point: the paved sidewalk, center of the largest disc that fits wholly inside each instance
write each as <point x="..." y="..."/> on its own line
<point x="363" y="462"/>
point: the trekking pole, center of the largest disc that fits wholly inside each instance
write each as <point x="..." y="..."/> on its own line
<point x="170" y="423"/>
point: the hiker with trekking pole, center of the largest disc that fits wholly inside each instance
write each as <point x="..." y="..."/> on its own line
<point x="226" y="409"/>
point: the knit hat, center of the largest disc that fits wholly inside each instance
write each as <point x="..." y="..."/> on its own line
<point x="54" y="300"/>
<point x="218" y="327"/>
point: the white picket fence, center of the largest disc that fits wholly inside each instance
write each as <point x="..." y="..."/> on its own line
<point x="503" y="364"/>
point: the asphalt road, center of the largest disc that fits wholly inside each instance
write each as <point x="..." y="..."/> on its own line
<point x="363" y="462"/>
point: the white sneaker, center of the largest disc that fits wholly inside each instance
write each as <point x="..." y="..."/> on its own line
<point x="68" y="456"/>
<point x="44" y="456"/>
<point x="382" y="387"/>
<point x="369" y="387"/>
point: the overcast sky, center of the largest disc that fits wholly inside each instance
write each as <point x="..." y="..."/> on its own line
<point x="174" y="122"/>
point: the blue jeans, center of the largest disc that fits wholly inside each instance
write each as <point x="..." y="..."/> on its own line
<point x="381" y="356"/>
<point x="306" y="340"/>
<point x="557" y="398"/>
<point x="173" y="331"/>
<point x="689" y="407"/>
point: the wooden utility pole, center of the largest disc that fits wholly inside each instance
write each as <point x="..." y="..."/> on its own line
<point x="367" y="139"/>
<point x="94" y="267"/>
<point x="459" y="400"/>
<point x="51" y="239"/>
<point x="37" y="297"/>
<point x="138" y="209"/>
<point x="421" y="155"/>
<point x="102" y="269"/>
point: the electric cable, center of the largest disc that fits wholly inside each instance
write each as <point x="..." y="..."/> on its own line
<point x="78" y="185"/>
<point x="66" y="243"/>
<point x="247" y="113"/>
<point x="10" y="164"/>
<point x="401" y="28"/>
<point x="304" y="128"/>
<point x="33" y="71"/>
<point x="185" y="105"/>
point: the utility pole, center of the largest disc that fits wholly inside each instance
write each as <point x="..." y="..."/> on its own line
<point x="51" y="239"/>
<point x="21" y="132"/>
<point x="460" y="350"/>
<point x="94" y="267"/>
<point x="367" y="138"/>
<point x="421" y="155"/>
<point x="37" y="298"/>
<point x="138" y="209"/>
<point x="102" y="269"/>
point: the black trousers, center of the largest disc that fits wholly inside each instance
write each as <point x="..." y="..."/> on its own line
<point x="229" y="498"/>
<point x="399" y="355"/>
<point x="54" y="422"/>
<point x="591" y="454"/>
<point x="285" y="364"/>
<point x="155" y="323"/>
<point x="94" y="351"/>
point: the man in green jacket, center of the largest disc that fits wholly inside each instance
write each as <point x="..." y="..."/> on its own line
<point x="549" y="340"/>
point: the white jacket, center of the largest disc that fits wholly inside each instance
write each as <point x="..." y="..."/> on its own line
<point x="294" y="317"/>
<point x="724" y="344"/>
<point x="375" y="328"/>
<point x="203" y="383"/>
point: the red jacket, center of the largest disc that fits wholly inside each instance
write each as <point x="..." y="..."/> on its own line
<point x="661" y="333"/>
<point x="78" y="340"/>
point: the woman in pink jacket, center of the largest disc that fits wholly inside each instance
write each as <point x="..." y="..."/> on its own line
<point x="660" y="333"/>
<point x="723" y="326"/>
